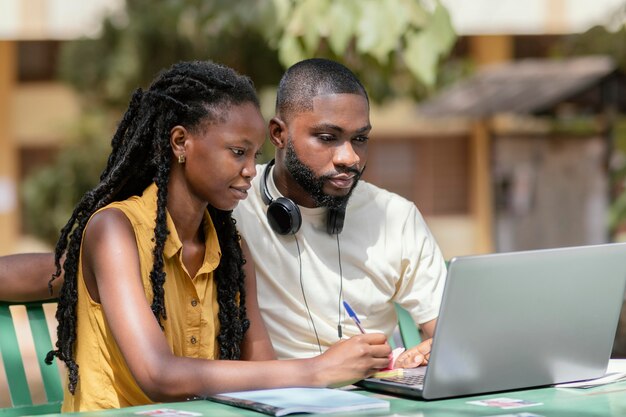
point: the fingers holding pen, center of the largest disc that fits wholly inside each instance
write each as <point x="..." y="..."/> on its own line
<point x="370" y="346"/>
<point x="374" y="345"/>
<point x="350" y="360"/>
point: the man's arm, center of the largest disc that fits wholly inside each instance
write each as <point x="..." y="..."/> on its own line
<point x="428" y="328"/>
<point x="24" y="277"/>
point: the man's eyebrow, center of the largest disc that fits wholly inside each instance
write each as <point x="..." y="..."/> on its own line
<point x="364" y="129"/>
<point x="330" y="126"/>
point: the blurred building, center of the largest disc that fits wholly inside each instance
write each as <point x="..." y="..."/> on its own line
<point x="35" y="109"/>
<point x="490" y="174"/>
<point x="547" y="127"/>
<point x="446" y="168"/>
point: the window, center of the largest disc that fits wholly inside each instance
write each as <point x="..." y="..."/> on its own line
<point x="432" y="172"/>
<point x="37" y="60"/>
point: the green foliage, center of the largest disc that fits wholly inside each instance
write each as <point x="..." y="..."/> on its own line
<point x="52" y="192"/>
<point x="394" y="46"/>
<point x="598" y="40"/>
<point x="604" y="40"/>
<point x="148" y="36"/>
<point x="617" y="213"/>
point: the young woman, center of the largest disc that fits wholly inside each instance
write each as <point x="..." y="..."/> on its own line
<point x="158" y="302"/>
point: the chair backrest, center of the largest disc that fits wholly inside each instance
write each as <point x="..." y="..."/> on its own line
<point x="13" y="360"/>
<point x="409" y="332"/>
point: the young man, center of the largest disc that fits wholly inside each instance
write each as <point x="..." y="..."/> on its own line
<point x="384" y="253"/>
<point x="317" y="234"/>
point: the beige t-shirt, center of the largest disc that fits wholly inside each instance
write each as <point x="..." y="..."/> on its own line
<point x="387" y="255"/>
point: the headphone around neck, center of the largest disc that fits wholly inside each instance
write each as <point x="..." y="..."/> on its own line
<point x="284" y="215"/>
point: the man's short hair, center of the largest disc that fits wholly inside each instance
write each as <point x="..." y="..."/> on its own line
<point x="307" y="79"/>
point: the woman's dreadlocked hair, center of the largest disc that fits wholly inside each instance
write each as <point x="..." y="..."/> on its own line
<point x="186" y="94"/>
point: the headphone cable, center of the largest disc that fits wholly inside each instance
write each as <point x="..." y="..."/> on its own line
<point x="319" y="345"/>
<point x="339" y="330"/>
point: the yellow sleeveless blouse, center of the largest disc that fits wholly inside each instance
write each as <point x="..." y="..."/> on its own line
<point x="191" y="327"/>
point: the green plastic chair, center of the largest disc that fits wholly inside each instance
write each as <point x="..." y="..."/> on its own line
<point x="12" y="358"/>
<point x="409" y="333"/>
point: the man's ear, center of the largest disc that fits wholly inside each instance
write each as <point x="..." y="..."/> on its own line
<point x="278" y="132"/>
<point x="178" y="139"/>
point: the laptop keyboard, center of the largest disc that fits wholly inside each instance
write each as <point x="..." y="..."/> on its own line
<point x="406" y="379"/>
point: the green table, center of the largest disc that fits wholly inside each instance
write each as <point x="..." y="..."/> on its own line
<point x="607" y="400"/>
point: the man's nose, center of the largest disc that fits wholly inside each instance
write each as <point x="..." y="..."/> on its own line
<point x="345" y="155"/>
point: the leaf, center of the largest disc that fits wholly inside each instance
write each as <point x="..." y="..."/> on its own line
<point x="314" y="15"/>
<point x="342" y="18"/>
<point x="420" y="57"/>
<point x="295" y="22"/>
<point x="424" y="48"/>
<point x="283" y="10"/>
<point x="290" y="51"/>
<point x="380" y="29"/>
<point x="416" y="15"/>
<point x="272" y="19"/>
<point x="442" y="30"/>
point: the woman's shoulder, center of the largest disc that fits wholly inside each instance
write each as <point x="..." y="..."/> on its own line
<point x="108" y="220"/>
<point x="135" y="209"/>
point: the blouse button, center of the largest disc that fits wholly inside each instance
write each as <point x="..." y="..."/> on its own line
<point x="193" y="340"/>
<point x="194" y="302"/>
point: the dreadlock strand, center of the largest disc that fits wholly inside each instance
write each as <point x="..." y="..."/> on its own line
<point x="230" y="287"/>
<point x="157" y="275"/>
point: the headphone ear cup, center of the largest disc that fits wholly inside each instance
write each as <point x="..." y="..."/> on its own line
<point x="284" y="216"/>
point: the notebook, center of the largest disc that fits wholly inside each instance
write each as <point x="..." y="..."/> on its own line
<point x="522" y="319"/>
<point x="284" y="401"/>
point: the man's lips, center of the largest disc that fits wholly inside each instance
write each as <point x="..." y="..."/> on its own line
<point x="342" y="181"/>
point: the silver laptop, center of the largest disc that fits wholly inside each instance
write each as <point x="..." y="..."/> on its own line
<point x="521" y="319"/>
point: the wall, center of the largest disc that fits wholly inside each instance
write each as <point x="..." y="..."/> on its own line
<point x="550" y="192"/>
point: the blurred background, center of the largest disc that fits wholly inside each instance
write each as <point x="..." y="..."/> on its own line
<point x="502" y="120"/>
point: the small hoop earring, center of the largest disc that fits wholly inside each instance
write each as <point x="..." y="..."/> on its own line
<point x="182" y="158"/>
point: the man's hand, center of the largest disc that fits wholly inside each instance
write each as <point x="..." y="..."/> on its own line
<point x="416" y="356"/>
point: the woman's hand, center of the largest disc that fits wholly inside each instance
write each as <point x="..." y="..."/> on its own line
<point x="351" y="360"/>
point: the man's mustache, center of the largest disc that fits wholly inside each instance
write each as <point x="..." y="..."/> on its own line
<point x="354" y="171"/>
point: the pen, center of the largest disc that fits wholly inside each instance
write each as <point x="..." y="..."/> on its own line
<point x="353" y="316"/>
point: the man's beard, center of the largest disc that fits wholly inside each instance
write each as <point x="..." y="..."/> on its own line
<point x="313" y="185"/>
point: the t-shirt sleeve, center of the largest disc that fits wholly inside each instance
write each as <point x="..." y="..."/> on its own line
<point x="423" y="271"/>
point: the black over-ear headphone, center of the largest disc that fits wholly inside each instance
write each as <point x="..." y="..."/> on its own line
<point x="284" y="215"/>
